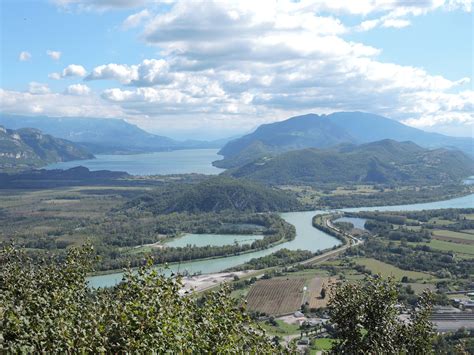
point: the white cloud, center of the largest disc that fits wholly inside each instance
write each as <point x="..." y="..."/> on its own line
<point x="100" y="5"/>
<point x="38" y="88"/>
<point x="70" y="71"/>
<point x="149" y="72"/>
<point x="135" y="19"/>
<point x="78" y="89"/>
<point x="55" y="55"/>
<point x="52" y="104"/>
<point x="395" y="23"/>
<point x="228" y="61"/>
<point x="24" y="56"/>
<point x="74" y="70"/>
<point x="395" y="13"/>
<point x="54" y="76"/>
<point x="232" y="65"/>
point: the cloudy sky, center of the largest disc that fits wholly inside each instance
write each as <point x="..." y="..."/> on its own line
<point x="209" y="69"/>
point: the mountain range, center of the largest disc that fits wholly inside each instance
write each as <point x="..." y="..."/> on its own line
<point x="104" y="136"/>
<point x="385" y="161"/>
<point x="324" y="131"/>
<point x="28" y="148"/>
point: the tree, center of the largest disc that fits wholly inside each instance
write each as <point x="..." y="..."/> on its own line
<point x="366" y="319"/>
<point x="323" y="292"/>
<point x="49" y="307"/>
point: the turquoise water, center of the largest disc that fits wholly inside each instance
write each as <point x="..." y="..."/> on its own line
<point x="307" y="237"/>
<point x="202" y="240"/>
<point x="357" y="222"/>
<point x="160" y="163"/>
<point x="459" y="202"/>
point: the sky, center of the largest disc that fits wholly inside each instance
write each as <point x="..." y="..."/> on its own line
<point x="213" y="69"/>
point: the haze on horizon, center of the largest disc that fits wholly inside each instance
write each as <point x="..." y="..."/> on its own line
<point x="212" y="69"/>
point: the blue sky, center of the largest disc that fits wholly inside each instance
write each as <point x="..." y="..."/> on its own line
<point x="212" y="69"/>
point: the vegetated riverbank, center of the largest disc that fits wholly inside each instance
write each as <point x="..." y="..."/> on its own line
<point x="396" y="196"/>
<point x="306" y="235"/>
<point x="175" y="265"/>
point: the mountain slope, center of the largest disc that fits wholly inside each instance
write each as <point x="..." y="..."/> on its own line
<point x="385" y="161"/>
<point x="99" y="135"/>
<point x="28" y="148"/>
<point x="96" y="134"/>
<point x="215" y="195"/>
<point x="323" y="131"/>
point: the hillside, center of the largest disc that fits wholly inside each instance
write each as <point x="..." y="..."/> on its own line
<point x="385" y="161"/>
<point x="324" y="131"/>
<point x="28" y="148"/>
<point x="101" y="136"/>
<point x="215" y="195"/>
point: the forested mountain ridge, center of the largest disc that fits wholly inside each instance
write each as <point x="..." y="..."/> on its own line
<point x="28" y="148"/>
<point x="385" y="161"/>
<point x="215" y="195"/>
<point x="103" y="135"/>
<point x="324" y="131"/>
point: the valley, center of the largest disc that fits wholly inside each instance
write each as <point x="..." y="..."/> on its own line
<point x="236" y="177"/>
<point x="280" y="230"/>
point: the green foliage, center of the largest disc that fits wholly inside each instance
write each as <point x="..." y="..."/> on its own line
<point x="399" y="196"/>
<point x="50" y="308"/>
<point x="382" y="162"/>
<point x="390" y="244"/>
<point x="215" y="195"/>
<point x="366" y="320"/>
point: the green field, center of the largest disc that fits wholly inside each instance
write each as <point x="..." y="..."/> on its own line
<point x="451" y="234"/>
<point x="322" y="344"/>
<point x="441" y="222"/>
<point x="454" y="247"/>
<point x="379" y="267"/>
<point x="282" y="328"/>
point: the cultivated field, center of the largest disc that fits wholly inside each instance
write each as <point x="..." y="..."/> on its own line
<point x="276" y="296"/>
<point x="453" y="247"/>
<point x="386" y="270"/>
<point x="455" y="237"/>
<point x="313" y="295"/>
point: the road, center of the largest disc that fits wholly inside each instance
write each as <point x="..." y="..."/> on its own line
<point x="335" y="252"/>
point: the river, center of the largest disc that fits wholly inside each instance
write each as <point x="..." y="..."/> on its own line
<point x="307" y="237"/>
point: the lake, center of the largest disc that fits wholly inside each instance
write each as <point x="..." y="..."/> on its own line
<point x="356" y="222"/>
<point x="307" y="237"/>
<point x="187" y="161"/>
<point x="202" y="240"/>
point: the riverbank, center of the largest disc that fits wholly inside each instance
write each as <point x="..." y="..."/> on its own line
<point x="307" y="238"/>
<point x="176" y="266"/>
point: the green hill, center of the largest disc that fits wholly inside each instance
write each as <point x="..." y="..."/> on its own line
<point x="385" y="161"/>
<point x="28" y="148"/>
<point x="325" y="131"/>
<point x="214" y="195"/>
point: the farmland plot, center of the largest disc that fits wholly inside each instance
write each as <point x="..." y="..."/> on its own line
<point x="276" y="296"/>
<point x="313" y="295"/>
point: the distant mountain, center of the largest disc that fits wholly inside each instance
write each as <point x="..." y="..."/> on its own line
<point x="214" y="195"/>
<point x="28" y="148"/>
<point x="385" y="161"/>
<point x="324" y="131"/>
<point x="99" y="135"/>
